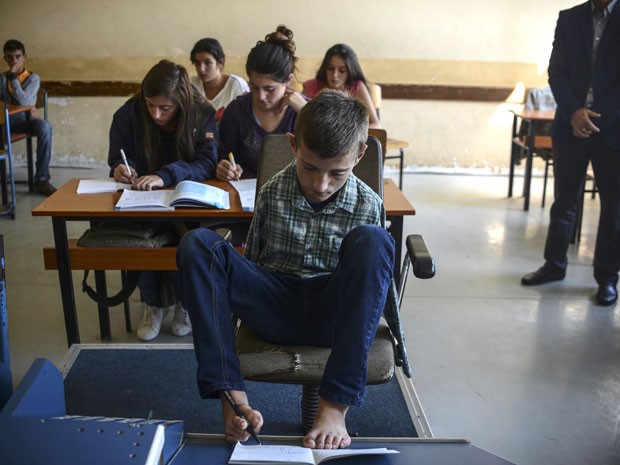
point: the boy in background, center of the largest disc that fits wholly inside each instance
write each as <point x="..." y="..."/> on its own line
<point x="18" y="86"/>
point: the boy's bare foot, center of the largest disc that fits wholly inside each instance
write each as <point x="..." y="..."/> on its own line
<point x="329" y="430"/>
<point x="234" y="426"/>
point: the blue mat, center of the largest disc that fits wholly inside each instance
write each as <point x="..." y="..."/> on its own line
<point x="134" y="382"/>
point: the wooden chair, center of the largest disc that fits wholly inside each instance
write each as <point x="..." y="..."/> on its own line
<point x="390" y="144"/>
<point x="41" y="103"/>
<point x="536" y="99"/>
<point x="263" y="361"/>
<point x="381" y="136"/>
<point x="6" y="158"/>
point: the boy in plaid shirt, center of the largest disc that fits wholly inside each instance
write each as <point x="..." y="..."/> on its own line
<point x="316" y="271"/>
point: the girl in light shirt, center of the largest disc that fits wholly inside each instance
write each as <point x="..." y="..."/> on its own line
<point x="218" y="88"/>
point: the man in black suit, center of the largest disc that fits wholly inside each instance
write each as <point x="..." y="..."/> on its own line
<point x="584" y="74"/>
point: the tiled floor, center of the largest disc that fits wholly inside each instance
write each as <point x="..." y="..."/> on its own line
<point x="531" y="374"/>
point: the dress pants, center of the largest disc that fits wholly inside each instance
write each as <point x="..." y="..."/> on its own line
<point x="340" y="310"/>
<point x="570" y="167"/>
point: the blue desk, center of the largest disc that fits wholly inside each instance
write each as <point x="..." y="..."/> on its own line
<point x="34" y="431"/>
<point x="211" y="449"/>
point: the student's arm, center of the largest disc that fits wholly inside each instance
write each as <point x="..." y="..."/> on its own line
<point x="364" y="96"/>
<point x="26" y="95"/>
<point x="121" y="137"/>
<point x="229" y="135"/>
<point x="205" y="145"/>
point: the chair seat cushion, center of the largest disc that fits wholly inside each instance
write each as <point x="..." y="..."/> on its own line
<point x="263" y="361"/>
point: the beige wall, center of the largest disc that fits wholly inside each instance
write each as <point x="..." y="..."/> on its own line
<point x="472" y="43"/>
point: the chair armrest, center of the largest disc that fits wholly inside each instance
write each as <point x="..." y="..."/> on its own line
<point x="423" y="263"/>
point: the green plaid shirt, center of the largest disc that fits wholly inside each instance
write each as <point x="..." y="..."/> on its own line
<point x="288" y="236"/>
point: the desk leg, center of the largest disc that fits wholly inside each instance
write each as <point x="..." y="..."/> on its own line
<point x="513" y="156"/>
<point x="396" y="231"/>
<point x="29" y="157"/>
<point x="3" y="182"/>
<point x="104" y="312"/>
<point x="528" y="168"/>
<point x="400" y="174"/>
<point x="66" y="280"/>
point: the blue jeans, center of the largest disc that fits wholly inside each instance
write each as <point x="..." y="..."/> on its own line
<point x="151" y="283"/>
<point x="340" y="310"/>
<point x="42" y="130"/>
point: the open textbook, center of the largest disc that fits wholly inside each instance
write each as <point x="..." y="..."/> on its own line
<point x="185" y="194"/>
<point x="264" y="455"/>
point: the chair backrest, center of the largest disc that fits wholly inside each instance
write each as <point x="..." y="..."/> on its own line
<point x="376" y="97"/>
<point x="381" y="135"/>
<point x="42" y="101"/>
<point x="276" y="153"/>
<point x="538" y="99"/>
<point x="370" y="167"/>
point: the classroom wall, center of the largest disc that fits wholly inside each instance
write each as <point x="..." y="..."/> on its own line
<point x="475" y="43"/>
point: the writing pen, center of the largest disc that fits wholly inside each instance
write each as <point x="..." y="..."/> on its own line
<point x="240" y="414"/>
<point x="232" y="161"/>
<point x="126" y="163"/>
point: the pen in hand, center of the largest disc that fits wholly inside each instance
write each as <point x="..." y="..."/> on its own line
<point x="240" y="414"/>
<point x="232" y="161"/>
<point x="126" y="163"/>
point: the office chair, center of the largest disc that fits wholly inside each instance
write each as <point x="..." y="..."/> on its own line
<point x="6" y="158"/>
<point x="263" y="361"/>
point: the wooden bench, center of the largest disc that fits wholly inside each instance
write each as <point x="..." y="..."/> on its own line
<point x="114" y="258"/>
<point x="102" y="259"/>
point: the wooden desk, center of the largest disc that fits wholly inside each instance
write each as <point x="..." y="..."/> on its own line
<point x="531" y="143"/>
<point x="66" y="205"/>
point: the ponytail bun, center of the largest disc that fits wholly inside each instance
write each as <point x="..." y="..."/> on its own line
<point x="275" y="56"/>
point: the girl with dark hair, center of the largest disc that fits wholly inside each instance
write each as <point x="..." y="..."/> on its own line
<point x="271" y="107"/>
<point x="341" y="70"/>
<point x="167" y="132"/>
<point x="217" y="88"/>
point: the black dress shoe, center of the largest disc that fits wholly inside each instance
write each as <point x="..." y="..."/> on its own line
<point x="541" y="276"/>
<point x="607" y="294"/>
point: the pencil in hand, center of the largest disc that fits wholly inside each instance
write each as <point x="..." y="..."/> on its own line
<point x="231" y="158"/>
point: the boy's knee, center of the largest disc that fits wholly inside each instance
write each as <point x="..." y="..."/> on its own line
<point x="41" y="128"/>
<point x="195" y="243"/>
<point x="370" y="236"/>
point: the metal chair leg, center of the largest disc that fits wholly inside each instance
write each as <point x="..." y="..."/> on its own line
<point x="309" y="406"/>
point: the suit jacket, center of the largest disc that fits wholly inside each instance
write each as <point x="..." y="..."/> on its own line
<point x="570" y="73"/>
